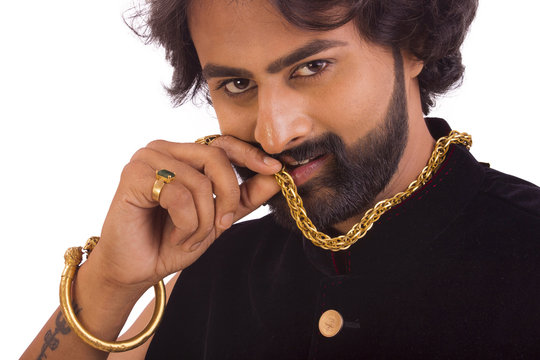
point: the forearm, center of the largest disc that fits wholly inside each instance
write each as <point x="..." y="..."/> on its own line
<point x="100" y="309"/>
<point x="57" y="341"/>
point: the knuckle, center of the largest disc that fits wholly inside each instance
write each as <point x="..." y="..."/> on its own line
<point x="131" y="169"/>
<point x="182" y="197"/>
<point x="185" y="222"/>
<point x="139" y="154"/>
<point x="251" y="151"/>
<point x="206" y="226"/>
<point x="232" y="197"/>
<point x="177" y="199"/>
<point x="235" y="193"/>
<point x="191" y="225"/>
<point x="204" y="185"/>
<point x="251" y="155"/>
<point x="132" y="180"/>
<point x="217" y="152"/>
<point x="126" y="171"/>
<point x="246" y="200"/>
<point x="156" y="144"/>
<point x="182" y="210"/>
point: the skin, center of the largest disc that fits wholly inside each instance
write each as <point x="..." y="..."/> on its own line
<point x="351" y="177"/>
<point x="281" y="110"/>
<point x="143" y="241"/>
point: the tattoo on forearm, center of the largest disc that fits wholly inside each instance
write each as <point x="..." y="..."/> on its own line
<point x="51" y="339"/>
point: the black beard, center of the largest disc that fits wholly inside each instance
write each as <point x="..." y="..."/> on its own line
<point x="354" y="176"/>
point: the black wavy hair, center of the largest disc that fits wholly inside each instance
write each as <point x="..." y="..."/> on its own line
<point x="431" y="30"/>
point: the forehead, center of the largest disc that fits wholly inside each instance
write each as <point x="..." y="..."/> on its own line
<point x="237" y="31"/>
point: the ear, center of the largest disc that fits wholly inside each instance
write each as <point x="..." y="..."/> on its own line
<point x="412" y="65"/>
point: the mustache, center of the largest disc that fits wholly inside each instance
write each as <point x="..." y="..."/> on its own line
<point x="326" y="143"/>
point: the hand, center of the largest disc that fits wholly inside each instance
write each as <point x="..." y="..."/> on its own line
<point x="143" y="241"/>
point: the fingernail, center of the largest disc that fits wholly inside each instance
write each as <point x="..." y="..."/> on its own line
<point x="270" y="161"/>
<point x="226" y="220"/>
<point x="195" y="246"/>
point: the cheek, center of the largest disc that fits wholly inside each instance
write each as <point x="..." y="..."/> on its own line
<point x="236" y="121"/>
<point x="357" y="105"/>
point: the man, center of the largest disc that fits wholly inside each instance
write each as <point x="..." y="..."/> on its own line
<point x="335" y="92"/>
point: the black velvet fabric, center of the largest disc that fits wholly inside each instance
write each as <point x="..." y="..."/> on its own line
<point x="451" y="273"/>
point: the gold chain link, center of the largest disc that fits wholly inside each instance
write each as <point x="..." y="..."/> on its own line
<point x="343" y="242"/>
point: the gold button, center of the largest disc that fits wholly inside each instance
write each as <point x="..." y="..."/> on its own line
<point x="330" y="323"/>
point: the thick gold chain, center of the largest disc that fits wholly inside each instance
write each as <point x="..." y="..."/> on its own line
<point x="343" y="242"/>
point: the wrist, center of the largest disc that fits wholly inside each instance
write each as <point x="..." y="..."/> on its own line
<point x="103" y="307"/>
<point x="107" y="307"/>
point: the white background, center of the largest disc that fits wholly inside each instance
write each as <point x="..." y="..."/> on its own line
<point x="79" y="93"/>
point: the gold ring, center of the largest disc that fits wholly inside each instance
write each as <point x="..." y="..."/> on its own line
<point x="207" y="140"/>
<point x="163" y="177"/>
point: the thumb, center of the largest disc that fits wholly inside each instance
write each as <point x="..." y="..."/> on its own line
<point x="254" y="192"/>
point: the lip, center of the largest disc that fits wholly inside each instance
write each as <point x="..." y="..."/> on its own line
<point x="303" y="173"/>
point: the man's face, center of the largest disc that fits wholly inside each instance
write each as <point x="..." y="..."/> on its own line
<point x="328" y="104"/>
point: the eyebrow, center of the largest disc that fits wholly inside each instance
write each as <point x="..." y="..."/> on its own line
<point x="314" y="47"/>
<point x="213" y="70"/>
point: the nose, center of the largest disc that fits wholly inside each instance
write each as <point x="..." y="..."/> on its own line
<point x="282" y="119"/>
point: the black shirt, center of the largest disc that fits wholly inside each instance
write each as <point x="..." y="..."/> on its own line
<point x="452" y="272"/>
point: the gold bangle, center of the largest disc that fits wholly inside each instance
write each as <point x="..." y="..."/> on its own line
<point x="73" y="258"/>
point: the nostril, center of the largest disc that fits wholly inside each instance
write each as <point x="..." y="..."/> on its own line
<point x="292" y="142"/>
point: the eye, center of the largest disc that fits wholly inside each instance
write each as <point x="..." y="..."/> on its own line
<point x="310" y="68"/>
<point x="238" y="86"/>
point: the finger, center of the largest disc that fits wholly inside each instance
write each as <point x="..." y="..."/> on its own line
<point x="246" y="155"/>
<point x="188" y="185"/>
<point x="215" y="164"/>
<point x="255" y="192"/>
<point x="217" y="167"/>
<point x="237" y="151"/>
<point x="175" y="198"/>
<point x="136" y="184"/>
<point x="180" y="205"/>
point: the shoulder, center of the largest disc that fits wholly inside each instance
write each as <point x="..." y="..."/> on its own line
<point x="504" y="215"/>
<point x="517" y="195"/>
